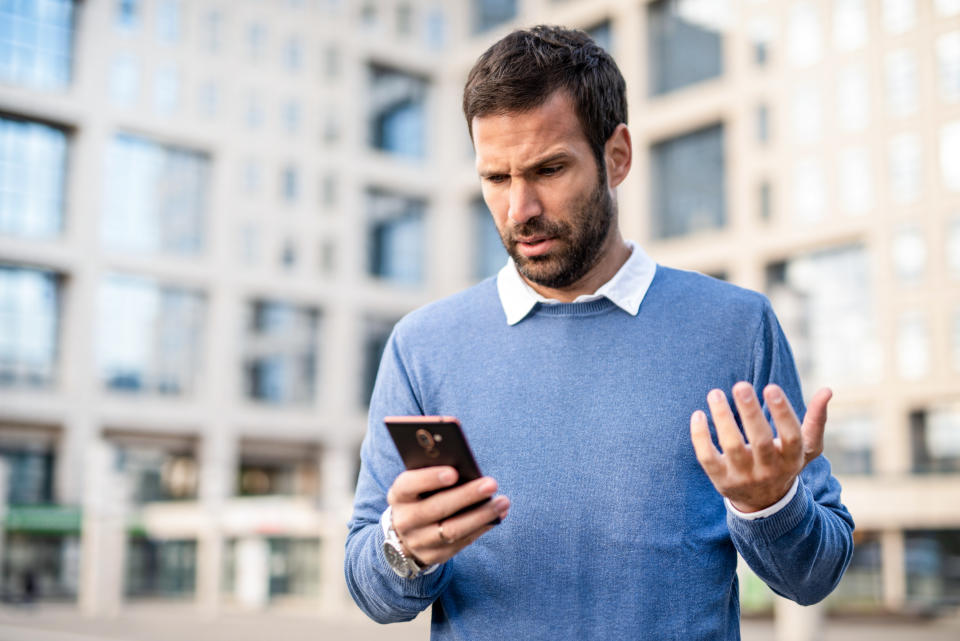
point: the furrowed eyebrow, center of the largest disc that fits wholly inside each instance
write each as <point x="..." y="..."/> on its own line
<point x="540" y="162"/>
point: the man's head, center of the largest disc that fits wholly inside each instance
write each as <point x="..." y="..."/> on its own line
<point x="522" y="70"/>
<point x="546" y="110"/>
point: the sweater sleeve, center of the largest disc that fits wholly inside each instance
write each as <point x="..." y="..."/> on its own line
<point x="802" y="550"/>
<point x="383" y="595"/>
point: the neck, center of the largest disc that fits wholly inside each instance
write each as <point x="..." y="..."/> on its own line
<point x="612" y="257"/>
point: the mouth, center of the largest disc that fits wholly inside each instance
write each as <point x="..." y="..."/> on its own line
<point x="535" y="245"/>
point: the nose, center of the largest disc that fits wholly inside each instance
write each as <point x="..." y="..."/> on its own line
<point x="524" y="202"/>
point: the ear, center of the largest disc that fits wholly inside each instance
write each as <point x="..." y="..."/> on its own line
<point x="618" y="154"/>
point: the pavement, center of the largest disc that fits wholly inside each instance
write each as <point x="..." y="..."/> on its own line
<point x="163" y="622"/>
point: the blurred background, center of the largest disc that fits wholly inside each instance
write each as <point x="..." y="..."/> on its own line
<point x="212" y="213"/>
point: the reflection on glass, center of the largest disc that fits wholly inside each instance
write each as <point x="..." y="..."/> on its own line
<point x="913" y="345"/>
<point x="905" y="168"/>
<point x="168" y="21"/>
<point x="398" y="104"/>
<point x="396" y="241"/>
<point x="149" y="336"/>
<point x="804" y="39"/>
<point x="293" y="54"/>
<point x="155" y="197"/>
<point x="825" y="304"/>
<point x="902" y="82"/>
<point x="909" y="254"/>
<point x="849" y="443"/>
<point x="294" y="566"/>
<point x="158" y="471"/>
<point x="935" y="438"/>
<point x="36" y="42"/>
<point x="124" y="80"/>
<point x="932" y="557"/>
<point x="128" y="14"/>
<point x="687" y="183"/>
<point x="280" y="352"/>
<point x="29" y="473"/>
<point x="849" y="24"/>
<point x="160" y="568"/>
<point x="486" y="14"/>
<point x="376" y="333"/>
<point x="489" y="254"/>
<point x="32" y="176"/>
<point x="51" y="558"/>
<point x="278" y="468"/>
<point x="166" y="87"/>
<point x="29" y="326"/>
<point x="685" y="44"/>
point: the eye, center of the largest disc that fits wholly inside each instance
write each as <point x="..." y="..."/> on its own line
<point x="550" y="170"/>
<point x="496" y="179"/>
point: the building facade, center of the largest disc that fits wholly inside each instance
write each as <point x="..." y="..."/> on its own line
<point x="212" y="213"/>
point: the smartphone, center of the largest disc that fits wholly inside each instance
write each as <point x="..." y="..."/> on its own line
<point x="425" y="441"/>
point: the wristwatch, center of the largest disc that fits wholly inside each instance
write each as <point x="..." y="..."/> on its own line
<point x="405" y="566"/>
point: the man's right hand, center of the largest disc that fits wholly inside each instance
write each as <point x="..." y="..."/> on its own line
<point x="424" y="526"/>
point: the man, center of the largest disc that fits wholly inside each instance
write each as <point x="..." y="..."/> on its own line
<point x="579" y="375"/>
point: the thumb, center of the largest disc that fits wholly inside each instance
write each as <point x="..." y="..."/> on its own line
<point x="813" y="424"/>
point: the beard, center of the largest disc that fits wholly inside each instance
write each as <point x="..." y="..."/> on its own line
<point x="580" y="240"/>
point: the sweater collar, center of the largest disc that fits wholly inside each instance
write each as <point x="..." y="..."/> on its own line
<point x="625" y="290"/>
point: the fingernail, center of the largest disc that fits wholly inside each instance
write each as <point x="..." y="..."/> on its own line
<point x="716" y="396"/>
<point x="501" y="503"/>
<point x="487" y="487"/>
<point x="776" y="396"/>
<point x="446" y="476"/>
<point x="699" y="416"/>
<point x="744" y="394"/>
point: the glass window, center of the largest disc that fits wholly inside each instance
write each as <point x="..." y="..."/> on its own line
<point x="158" y="469"/>
<point x="376" y="334"/>
<point x="435" y="31"/>
<point x="212" y="32"/>
<point x="208" y="98"/>
<point x="331" y="62"/>
<point x="168" y="21"/>
<point x="396" y="242"/>
<point x="853" y="99"/>
<point x="950" y="155"/>
<point x="29" y="326"/>
<point x="825" y="303"/>
<point x="906" y="170"/>
<point x="486" y="14"/>
<point x="806" y="114"/>
<point x="329" y="191"/>
<point x="404" y="19"/>
<point x="251" y="176"/>
<point x="761" y="32"/>
<point x="166" y="89"/>
<point x="849" y="24"/>
<point x="947" y="7"/>
<point x="956" y="338"/>
<point x="762" y="119"/>
<point x="602" y="34"/>
<point x="909" y="254"/>
<point x="33" y="161"/>
<point x="291" y="117"/>
<point x="256" y="41"/>
<point x="160" y="568"/>
<point x="953" y="247"/>
<point x="29" y="473"/>
<point x="278" y="468"/>
<point x="856" y="181"/>
<point x="935" y="437"/>
<point x="124" y="80"/>
<point x="36" y="43"/>
<point x="328" y="257"/>
<point x="128" y="14"/>
<point x="53" y="560"/>
<point x="932" y="558"/>
<point x="254" y="115"/>
<point x="155" y="197"/>
<point x="850" y="443"/>
<point x="281" y="351"/>
<point x="489" y="254"/>
<point x="688" y="176"/>
<point x="804" y="37"/>
<point x="290" y="183"/>
<point x="948" y="65"/>
<point x="685" y="45"/>
<point x="398" y="112"/>
<point x="288" y="257"/>
<point x="249" y="244"/>
<point x="765" y="200"/>
<point x="899" y="16"/>
<point x="902" y="84"/>
<point x="294" y="567"/>
<point x="809" y="190"/>
<point x="149" y="336"/>
<point x="293" y="54"/>
<point x="913" y="345"/>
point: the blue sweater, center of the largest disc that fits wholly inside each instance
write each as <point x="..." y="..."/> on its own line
<point x="581" y="412"/>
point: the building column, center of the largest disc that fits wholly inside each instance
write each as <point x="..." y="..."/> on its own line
<point x="104" y="536"/>
<point x="253" y="572"/>
<point x="217" y="459"/>
<point x="893" y="564"/>
<point x="793" y="622"/>
<point x="337" y="467"/>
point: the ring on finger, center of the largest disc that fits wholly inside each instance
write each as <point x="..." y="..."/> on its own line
<point x="443" y="538"/>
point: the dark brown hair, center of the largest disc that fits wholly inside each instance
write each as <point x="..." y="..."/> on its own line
<point x="523" y="69"/>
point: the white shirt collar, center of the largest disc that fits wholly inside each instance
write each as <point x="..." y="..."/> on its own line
<point x="625" y="290"/>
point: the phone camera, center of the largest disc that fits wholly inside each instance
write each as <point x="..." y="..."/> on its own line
<point x="425" y="439"/>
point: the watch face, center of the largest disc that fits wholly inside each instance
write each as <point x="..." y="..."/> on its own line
<point x="396" y="559"/>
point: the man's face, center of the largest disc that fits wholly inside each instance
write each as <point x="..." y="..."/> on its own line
<point x="549" y="199"/>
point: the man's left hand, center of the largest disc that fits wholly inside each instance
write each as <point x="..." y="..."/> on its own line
<point x="756" y="473"/>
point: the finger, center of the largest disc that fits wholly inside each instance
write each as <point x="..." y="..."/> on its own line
<point x="410" y="484"/>
<point x="442" y="504"/>
<point x="707" y="453"/>
<point x="788" y="427"/>
<point x="461" y="527"/>
<point x="758" y="430"/>
<point x="442" y="554"/>
<point x="814" y="423"/>
<point x="731" y="441"/>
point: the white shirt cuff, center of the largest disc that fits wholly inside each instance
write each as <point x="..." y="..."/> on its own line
<point x="767" y="511"/>
<point x="386" y="521"/>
